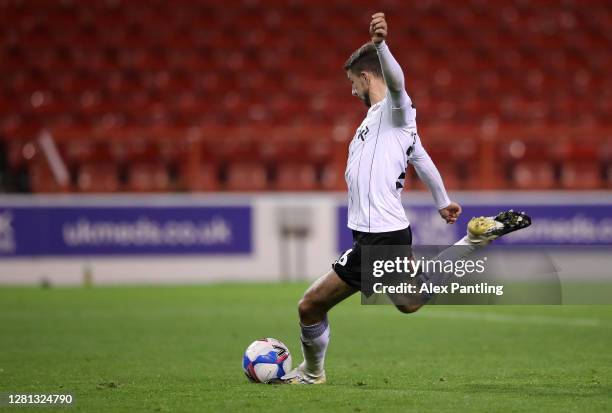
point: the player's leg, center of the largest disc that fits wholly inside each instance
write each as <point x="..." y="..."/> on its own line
<point x="318" y="299"/>
<point x="321" y="296"/>
<point x="410" y="303"/>
<point x="480" y="232"/>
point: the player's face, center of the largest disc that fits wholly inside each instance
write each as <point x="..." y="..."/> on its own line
<point x="360" y="86"/>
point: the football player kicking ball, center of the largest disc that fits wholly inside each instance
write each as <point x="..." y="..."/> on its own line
<point x="383" y="145"/>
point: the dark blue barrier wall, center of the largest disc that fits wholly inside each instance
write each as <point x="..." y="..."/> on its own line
<point x="554" y="224"/>
<point x="125" y="230"/>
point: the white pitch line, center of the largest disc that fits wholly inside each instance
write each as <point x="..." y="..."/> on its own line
<point x="527" y="319"/>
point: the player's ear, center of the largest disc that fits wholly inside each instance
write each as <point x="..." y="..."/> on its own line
<point x="366" y="77"/>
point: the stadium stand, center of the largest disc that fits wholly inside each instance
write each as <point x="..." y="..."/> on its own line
<point x="250" y="95"/>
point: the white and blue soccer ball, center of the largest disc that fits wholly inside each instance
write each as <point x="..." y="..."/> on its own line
<point x="266" y="360"/>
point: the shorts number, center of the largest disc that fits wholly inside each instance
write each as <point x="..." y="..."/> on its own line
<point x="344" y="258"/>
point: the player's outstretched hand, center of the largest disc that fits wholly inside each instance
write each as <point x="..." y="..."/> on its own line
<point x="451" y="212"/>
<point x="378" y="27"/>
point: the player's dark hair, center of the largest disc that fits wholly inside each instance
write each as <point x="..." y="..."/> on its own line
<point x="364" y="59"/>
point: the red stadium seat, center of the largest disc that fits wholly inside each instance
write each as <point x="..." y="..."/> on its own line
<point x="534" y="175"/>
<point x="84" y="150"/>
<point x="282" y="149"/>
<point x="148" y="177"/>
<point x="201" y="178"/>
<point x="98" y="177"/>
<point x="299" y="177"/>
<point x="246" y="177"/>
<point x="332" y="178"/>
<point x="581" y="175"/>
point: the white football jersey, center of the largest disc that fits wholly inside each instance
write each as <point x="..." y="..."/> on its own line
<point x="376" y="167"/>
<point x="379" y="153"/>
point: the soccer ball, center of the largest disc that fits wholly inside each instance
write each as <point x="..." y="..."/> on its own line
<point x="266" y="360"/>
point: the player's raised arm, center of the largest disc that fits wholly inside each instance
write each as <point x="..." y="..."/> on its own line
<point x="392" y="72"/>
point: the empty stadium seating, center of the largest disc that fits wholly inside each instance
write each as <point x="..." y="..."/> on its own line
<point x="250" y="94"/>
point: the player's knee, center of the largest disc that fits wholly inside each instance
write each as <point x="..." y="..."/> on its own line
<point x="310" y="312"/>
<point x="408" y="308"/>
<point x="306" y="307"/>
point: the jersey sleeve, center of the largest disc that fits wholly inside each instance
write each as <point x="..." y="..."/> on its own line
<point x="401" y="104"/>
<point x="428" y="173"/>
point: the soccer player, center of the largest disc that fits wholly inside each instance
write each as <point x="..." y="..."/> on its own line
<point x="383" y="145"/>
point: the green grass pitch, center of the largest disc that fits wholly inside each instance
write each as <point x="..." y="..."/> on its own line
<point x="167" y="349"/>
